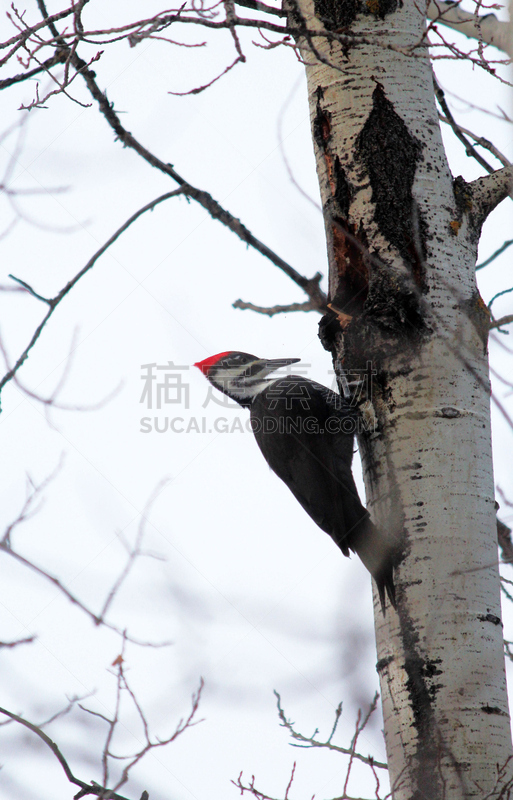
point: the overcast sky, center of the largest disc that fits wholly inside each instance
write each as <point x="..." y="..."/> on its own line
<point x="251" y="594"/>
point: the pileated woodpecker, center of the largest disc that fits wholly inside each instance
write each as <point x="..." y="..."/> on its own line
<point x="306" y="432"/>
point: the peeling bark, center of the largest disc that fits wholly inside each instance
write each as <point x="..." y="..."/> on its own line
<point x="402" y="239"/>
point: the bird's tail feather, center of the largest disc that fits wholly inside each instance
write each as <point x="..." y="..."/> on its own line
<point x="374" y="550"/>
<point x="385" y="583"/>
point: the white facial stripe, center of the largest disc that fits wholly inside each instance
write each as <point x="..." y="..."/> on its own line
<point x="252" y="390"/>
<point x="228" y="374"/>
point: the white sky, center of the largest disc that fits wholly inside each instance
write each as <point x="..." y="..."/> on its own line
<point x="253" y="596"/>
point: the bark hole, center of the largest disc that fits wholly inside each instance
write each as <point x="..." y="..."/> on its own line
<point x="380" y="8"/>
<point x="321" y="123"/>
<point x="350" y="252"/>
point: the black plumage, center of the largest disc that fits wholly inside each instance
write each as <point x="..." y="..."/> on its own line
<point x="309" y="444"/>
<point x="306" y="434"/>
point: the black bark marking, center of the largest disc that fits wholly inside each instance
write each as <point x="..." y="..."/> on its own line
<point x="337" y="14"/>
<point x="422" y="693"/>
<point x="383" y="663"/>
<point x="391" y="154"/>
<point x="321" y="124"/>
<point x="489" y="618"/>
<point x="343" y="193"/>
<point x="468" y="209"/>
<point x="493" y="710"/>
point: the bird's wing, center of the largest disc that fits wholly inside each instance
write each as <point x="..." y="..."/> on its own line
<point x="317" y="470"/>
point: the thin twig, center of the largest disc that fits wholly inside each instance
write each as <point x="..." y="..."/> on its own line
<point x="33" y="493"/>
<point x="498" y="323"/>
<point x="470" y="150"/>
<point x="482" y="142"/>
<point x="497" y="253"/>
<point x="135" y="551"/>
<point x="308" y="306"/>
<point x="310" y="741"/>
<point x="499" y="294"/>
<point x="309" y="285"/>
<point x="505" y="543"/>
<point x="87" y="788"/>
<point x="54" y="301"/>
<point x="16" y="642"/>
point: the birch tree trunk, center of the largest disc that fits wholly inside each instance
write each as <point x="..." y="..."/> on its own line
<point x="402" y="243"/>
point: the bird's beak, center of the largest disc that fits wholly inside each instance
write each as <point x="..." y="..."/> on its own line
<point x="271" y="365"/>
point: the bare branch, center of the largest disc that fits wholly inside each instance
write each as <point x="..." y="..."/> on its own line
<point x="257" y="6"/>
<point x="480" y="141"/>
<point x="502" y="116"/>
<point x="487" y="28"/>
<point x="74" y="600"/>
<point x="54" y="302"/>
<point x="499" y="294"/>
<point x="498" y="323"/>
<point x="33" y="493"/>
<point x="200" y="89"/>
<point x="91" y="789"/>
<point x="123" y="688"/>
<point x="308" y="306"/>
<point x="338" y="714"/>
<point x="490" y="190"/>
<point x="310" y="741"/>
<point x="135" y="551"/>
<point x="30" y="290"/>
<point x="58" y="58"/>
<point x="231" y="18"/>
<point x="351" y="756"/>
<point x="16" y="642"/>
<point x="159" y="22"/>
<point x="24" y="35"/>
<point x="39" y="102"/>
<point x="470" y="150"/>
<point x="495" y="255"/>
<point x="505" y="543"/>
<point x="251" y="788"/>
<point x="309" y="285"/>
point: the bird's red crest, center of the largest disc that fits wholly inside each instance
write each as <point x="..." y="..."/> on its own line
<point x="206" y="365"/>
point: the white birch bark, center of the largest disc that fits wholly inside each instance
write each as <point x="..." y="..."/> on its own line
<point x="402" y="239"/>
